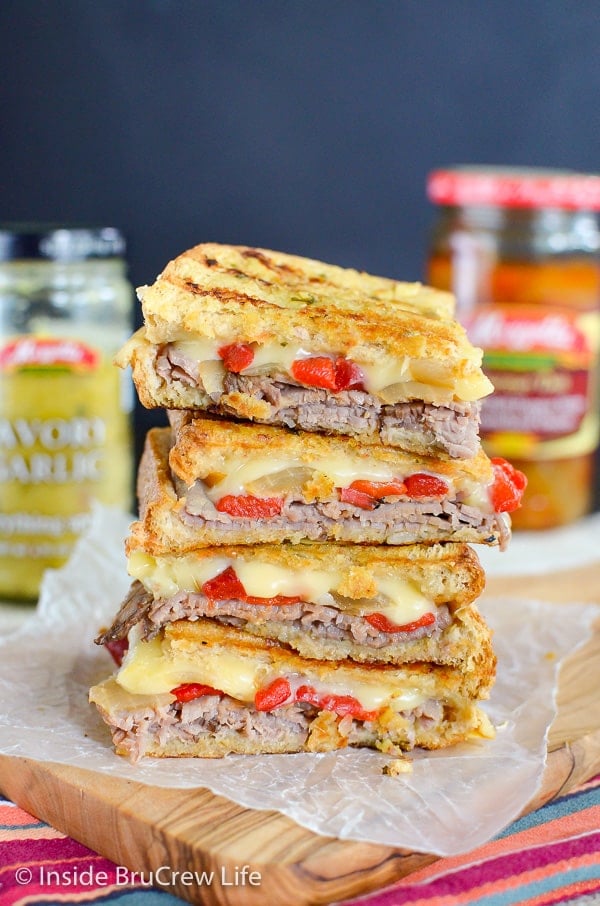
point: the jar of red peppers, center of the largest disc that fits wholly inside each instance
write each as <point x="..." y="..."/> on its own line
<point x="520" y="249"/>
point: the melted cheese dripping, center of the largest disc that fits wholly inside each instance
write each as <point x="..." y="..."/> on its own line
<point x="155" y="667"/>
<point x="400" y="600"/>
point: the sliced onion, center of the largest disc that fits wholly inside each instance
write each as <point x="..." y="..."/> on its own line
<point x="431" y="371"/>
<point x="285" y="481"/>
<point x="359" y="606"/>
<point x="212" y="374"/>
<point x="269" y="368"/>
<point x="413" y="390"/>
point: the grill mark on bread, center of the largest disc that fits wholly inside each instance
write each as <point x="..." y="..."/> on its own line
<point x="226" y="296"/>
<point x="276" y="266"/>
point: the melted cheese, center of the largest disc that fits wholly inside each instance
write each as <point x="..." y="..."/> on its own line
<point x="200" y="349"/>
<point x="473" y="387"/>
<point x="403" y="601"/>
<point x="156" y="667"/>
<point x="407" y="603"/>
<point x="166" y="576"/>
<point x="265" y="580"/>
<point x="342" y="469"/>
<point x="152" y="667"/>
<point x="477" y="495"/>
<point x="389" y="373"/>
<point x="385" y="373"/>
<point x="276" y="354"/>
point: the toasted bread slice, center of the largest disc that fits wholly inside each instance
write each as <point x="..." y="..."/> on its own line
<point x="217" y="450"/>
<point x="274" y="699"/>
<point x="276" y="338"/>
<point x="174" y="516"/>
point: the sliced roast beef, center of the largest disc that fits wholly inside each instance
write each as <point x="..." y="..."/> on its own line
<point x="134" y="731"/>
<point x="322" y="621"/>
<point x="451" y="429"/>
<point x="399" y="522"/>
<point x="133" y="609"/>
<point x="318" y="620"/>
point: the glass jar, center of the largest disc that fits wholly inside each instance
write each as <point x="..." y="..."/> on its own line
<point x="65" y="426"/>
<point x="520" y="249"/>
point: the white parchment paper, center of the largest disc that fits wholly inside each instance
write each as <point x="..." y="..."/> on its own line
<point x="453" y="800"/>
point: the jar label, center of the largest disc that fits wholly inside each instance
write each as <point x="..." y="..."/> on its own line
<point x="64" y="442"/>
<point x="47" y="352"/>
<point x="543" y="364"/>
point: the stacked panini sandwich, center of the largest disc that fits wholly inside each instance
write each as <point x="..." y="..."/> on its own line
<point x="302" y="579"/>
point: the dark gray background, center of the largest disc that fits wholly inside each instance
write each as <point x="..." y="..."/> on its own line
<point x="308" y="127"/>
<point x="302" y="126"/>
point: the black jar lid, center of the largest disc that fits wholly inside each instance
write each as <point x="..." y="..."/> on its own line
<point x="59" y="242"/>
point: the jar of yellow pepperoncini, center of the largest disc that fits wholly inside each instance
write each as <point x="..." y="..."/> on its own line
<point x="65" y="427"/>
<point x="520" y="249"/>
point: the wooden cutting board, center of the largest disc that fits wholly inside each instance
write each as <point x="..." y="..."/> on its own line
<point x="144" y="828"/>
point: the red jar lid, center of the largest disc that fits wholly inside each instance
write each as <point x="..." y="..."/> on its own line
<point x="514" y="188"/>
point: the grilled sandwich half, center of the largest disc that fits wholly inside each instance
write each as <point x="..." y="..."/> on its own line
<point x="327" y="601"/>
<point x="280" y="339"/>
<point x="203" y="689"/>
<point x="236" y="483"/>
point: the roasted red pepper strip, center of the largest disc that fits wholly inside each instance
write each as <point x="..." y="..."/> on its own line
<point x="339" y="704"/>
<point x="187" y="692"/>
<point x="327" y="373"/>
<point x="379" y="489"/>
<point x="346" y="704"/>
<point x="117" y="648"/>
<point x="508" y="487"/>
<point x="318" y="371"/>
<point x="422" y="485"/>
<point x="248" y="507"/>
<point x="237" y="356"/>
<point x="348" y="375"/>
<point x="357" y="498"/>
<point x="380" y="621"/>
<point x="224" y="587"/>
<point x="227" y="587"/>
<point x="307" y="694"/>
<point x="273" y="696"/>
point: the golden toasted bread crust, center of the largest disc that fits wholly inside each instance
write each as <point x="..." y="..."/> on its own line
<point x="224" y="291"/>
<point x="437" y="680"/>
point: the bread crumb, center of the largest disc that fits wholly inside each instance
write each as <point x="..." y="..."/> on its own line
<point x="398" y="766"/>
